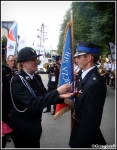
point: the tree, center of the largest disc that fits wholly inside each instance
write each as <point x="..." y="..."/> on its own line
<point x="48" y="55"/>
<point x="62" y="32"/>
<point x="4" y="40"/>
<point x="94" y="22"/>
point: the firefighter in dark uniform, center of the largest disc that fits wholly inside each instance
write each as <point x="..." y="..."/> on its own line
<point x="29" y="97"/>
<point x="6" y="98"/>
<point x="89" y="101"/>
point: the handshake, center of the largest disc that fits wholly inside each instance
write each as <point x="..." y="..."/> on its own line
<point x="64" y="91"/>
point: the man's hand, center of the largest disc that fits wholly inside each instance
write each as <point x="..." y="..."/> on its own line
<point x="64" y="88"/>
<point x="68" y="95"/>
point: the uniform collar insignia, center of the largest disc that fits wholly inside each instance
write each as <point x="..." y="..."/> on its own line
<point x="94" y="78"/>
<point x="27" y="78"/>
<point x="79" y="93"/>
<point x="32" y="50"/>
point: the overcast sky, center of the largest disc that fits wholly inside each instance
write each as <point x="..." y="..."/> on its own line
<point x="31" y="15"/>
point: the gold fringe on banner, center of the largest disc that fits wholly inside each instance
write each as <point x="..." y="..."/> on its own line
<point x="66" y="29"/>
<point x="62" y="111"/>
<point x="69" y="102"/>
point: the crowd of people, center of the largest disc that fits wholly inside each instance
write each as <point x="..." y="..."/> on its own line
<point x="108" y="71"/>
<point x="25" y="96"/>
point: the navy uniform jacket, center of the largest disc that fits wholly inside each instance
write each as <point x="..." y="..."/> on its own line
<point x="6" y="98"/>
<point x="27" y="124"/>
<point x="14" y="71"/>
<point x="78" y="78"/>
<point x="88" y="110"/>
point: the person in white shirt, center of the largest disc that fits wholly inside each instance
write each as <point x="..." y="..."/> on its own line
<point x="112" y="75"/>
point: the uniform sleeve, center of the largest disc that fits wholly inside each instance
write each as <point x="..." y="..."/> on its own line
<point x="22" y="95"/>
<point x="40" y="80"/>
<point x="92" y="113"/>
<point x="8" y="89"/>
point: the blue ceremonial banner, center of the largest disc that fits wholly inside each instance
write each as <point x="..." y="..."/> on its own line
<point x="66" y="74"/>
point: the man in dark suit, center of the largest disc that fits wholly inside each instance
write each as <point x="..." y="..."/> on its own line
<point x="89" y="101"/>
<point x="6" y="98"/>
<point x="12" y="63"/>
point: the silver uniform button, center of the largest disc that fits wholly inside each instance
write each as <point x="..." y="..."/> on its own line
<point x="94" y="78"/>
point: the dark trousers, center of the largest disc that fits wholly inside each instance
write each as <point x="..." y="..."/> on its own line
<point x="49" y="106"/>
<point x="4" y="141"/>
<point x="21" y="142"/>
<point x="107" y="78"/>
<point x="74" y="138"/>
<point x="6" y="119"/>
<point x="112" y="83"/>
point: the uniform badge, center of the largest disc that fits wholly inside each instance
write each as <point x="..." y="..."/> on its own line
<point x="27" y="78"/>
<point x="33" y="51"/>
<point x="94" y="78"/>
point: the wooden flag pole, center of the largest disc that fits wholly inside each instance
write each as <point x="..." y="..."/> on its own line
<point x="72" y="38"/>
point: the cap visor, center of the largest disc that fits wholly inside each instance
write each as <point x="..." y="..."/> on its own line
<point x="78" y="54"/>
<point x="39" y="55"/>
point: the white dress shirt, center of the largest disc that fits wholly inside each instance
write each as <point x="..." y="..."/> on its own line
<point x="85" y="72"/>
<point x="30" y="75"/>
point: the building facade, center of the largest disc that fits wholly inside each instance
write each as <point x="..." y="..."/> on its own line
<point x="6" y="25"/>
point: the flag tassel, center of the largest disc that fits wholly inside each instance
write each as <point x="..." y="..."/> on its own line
<point x="62" y="111"/>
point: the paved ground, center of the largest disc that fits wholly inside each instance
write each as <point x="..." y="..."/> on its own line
<point x="56" y="132"/>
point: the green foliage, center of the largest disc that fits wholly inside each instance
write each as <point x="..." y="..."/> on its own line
<point x="62" y="32"/>
<point x="39" y="61"/>
<point x="4" y="40"/>
<point x="48" y="55"/>
<point x="94" y="22"/>
<point x="4" y="62"/>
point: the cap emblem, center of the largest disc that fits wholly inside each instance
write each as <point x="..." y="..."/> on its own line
<point x="33" y="51"/>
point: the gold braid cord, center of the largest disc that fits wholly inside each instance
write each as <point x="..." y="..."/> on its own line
<point x="66" y="29"/>
<point x="70" y="103"/>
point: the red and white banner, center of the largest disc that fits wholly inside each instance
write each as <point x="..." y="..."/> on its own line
<point x="11" y="41"/>
<point x="22" y="40"/>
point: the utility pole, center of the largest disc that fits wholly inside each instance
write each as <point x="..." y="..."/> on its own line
<point x="51" y="51"/>
<point x="43" y="33"/>
<point x="40" y="36"/>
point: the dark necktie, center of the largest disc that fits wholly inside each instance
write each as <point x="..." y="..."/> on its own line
<point x="80" y="78"/>
<point x="33" y="78"/>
